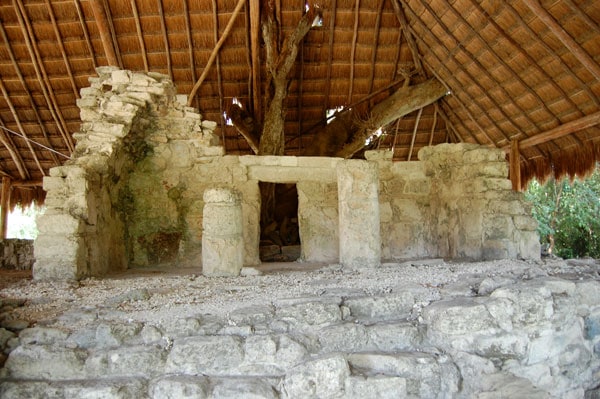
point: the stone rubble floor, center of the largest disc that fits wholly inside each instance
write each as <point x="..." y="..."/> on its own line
<point x="291" y="330"/>
<point x="155" y="295"/>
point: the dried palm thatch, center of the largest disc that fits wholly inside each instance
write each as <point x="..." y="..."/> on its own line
<point x="515" y="70"/>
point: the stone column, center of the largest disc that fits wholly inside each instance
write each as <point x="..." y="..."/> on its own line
<point x="360" y="237"/>
<point x="222" y="237"/>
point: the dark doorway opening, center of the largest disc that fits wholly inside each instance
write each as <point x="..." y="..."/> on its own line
<point x="280" y="237"/>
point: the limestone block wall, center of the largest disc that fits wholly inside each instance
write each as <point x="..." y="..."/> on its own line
<point x="403" y="208"/>
<point x="132" y="194"/>
<point x="474" y="212"/>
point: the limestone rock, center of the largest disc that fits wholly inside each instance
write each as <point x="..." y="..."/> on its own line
<point x="210" y="355"/>
<point x="244" y="388"/>
<point x="179" y="387"/>
<point x="320" y="378"/>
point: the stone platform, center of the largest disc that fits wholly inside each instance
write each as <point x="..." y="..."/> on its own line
<point x="527" y="332"/>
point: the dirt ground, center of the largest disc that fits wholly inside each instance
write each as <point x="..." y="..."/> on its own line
<point x="156" y="295"/>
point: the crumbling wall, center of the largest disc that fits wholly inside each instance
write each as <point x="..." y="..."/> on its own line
<point x="475" y="214"/>
<point x="132" y="193"/>
<point x="404" y="196"/>
<point x="17" y="254"/>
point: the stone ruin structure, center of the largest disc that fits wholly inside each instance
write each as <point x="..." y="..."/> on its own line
<point x="149" y="185"/>
<point x="134" y="194"/>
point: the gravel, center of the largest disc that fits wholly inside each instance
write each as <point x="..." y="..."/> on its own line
<point x="155" y="295"/>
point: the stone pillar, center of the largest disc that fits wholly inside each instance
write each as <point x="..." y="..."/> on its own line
<point x="360" y="237"/>
<point x="222" y="237"/>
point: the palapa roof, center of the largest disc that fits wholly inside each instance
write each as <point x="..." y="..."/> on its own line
<point x="524" y="70"/>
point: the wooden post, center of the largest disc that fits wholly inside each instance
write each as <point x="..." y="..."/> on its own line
<point x="5" y="204"/>
<point x="515" y="165"/>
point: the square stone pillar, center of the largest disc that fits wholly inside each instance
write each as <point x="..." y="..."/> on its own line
<point x="222" y="237"/>
<point x="360" y="237"/>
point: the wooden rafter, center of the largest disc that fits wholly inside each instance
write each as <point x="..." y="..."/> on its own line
<point x="375" y="45"/>
<point x="104" y="31"/>
<point x="41" y="74"/>
<point x="409" y="36"/>
<point x="519" y="49"/>
<point x="584" y="58"/>
<point x="447" y="72"/>
<point x="165" y="34"/>
<point x="218" y="62"/>
<point x="215" y="51"/>
<point x="29" y="96"/>
<point x="332" y="11"/>
<point x="20" y="127"/>
<point x="484" y="71"/>
<point x="565" y="68"/>
<point x="138" y="27"/>
<point x="499" y="60"/>
<point x="580" y="14"/>
<point x="7" y="141"/>
<point x="560" y="131"/>
<point x="433" y="125"/>
<point x="414" y="134"/>
<point x="86" y="34"/>
<point x="353" y="50"/>
<point x="63" y="52"/>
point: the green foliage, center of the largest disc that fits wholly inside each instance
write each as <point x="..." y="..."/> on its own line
<point x="568" y="214"/>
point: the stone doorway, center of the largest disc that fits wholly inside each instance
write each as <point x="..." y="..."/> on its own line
<point x="280" y="238"/>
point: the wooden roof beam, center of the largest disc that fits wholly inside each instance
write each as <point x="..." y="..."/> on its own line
<point x="584" y="58"/>
<point x="409" y="36"/>
<point x="215" y="51"/>
<point x="30" y="97"/>
<point x="86" y="34"/>
<point x="353" y="50"/>
<point x="62" y="48"/>
<point x="41" y="74"/>
<point x="566" y="69"/>
<point x="14" y="154"/>
<point x="332" y="10"/>
<point x="138" y="27"/>
<point x="104" y="30"/>
<point x="219" y="78"/>
<point x="375" y="44"/>
<point x="163" y="26"/>
<point x="559" y="131"/>
<point x="18" y="122"/>
<point x="456" y="98"/>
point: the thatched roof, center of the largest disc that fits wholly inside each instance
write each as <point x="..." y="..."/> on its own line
<point x="524" y="70"/>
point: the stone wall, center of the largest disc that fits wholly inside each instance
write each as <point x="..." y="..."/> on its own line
<point x="17" y="254"/>
<point x="518" y="335"/>
<point x="132" y="195"/>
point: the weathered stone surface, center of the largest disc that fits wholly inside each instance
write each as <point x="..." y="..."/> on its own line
<point x="210" y="355"/>
<point x="394" y="336"/>
<point x="388" y="307"/>
<point x="381" y="387"/>
<point x="312" y="313"/>
<point x="42" y="336"/>
<point x="344" y="337"/>
<point x="105" y="389"/>
<point x="179" y="387"/>
<point x="458" y="316"/>
<point x="505" y="385"/>
<point x="243" y="388"/>
<point x="32" y="362"/>
<point x="271" y="355"/>
<point x="138" y="361"/>
<point x="426" y="377"/>
<point x="324" y="377"/>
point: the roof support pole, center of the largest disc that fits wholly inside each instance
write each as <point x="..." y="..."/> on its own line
<point x="4" y="205"/>
<point x="515" y="165"/>
<point x="254" y="42"/>
<point x="104" y="30"/>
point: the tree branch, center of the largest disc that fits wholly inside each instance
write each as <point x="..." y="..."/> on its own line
<point x="404" y="101"/>
<point x="245" y="125"/>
